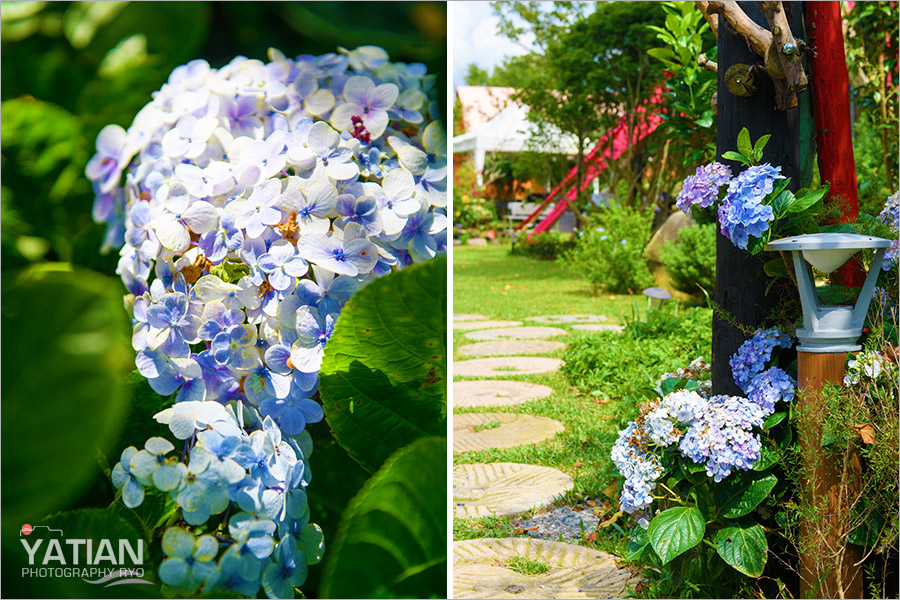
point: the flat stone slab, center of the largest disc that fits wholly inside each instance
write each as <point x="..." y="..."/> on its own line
<point x="482" y="489"/>
<point x="496" y="392"/>
<point x="485" y="324"/>
<point x="551" y="319"/>
<point x="599" y="327"/>
<point x="469" y="317"/>
<point x="515" y="333"/>
<point x="483" y="431"/>
<point x="481" y="570"/>
<point x="505" y="365"/>
<point x="507" y="347"/>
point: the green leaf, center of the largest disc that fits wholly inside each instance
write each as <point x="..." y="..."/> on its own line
<point x="744" y="547"/>
<point x="663" y="54"/>
<point x="806" y="198"/>
<point x="392" y="541"/>
<point x="774" y="419"/>
<point x="740" y="494"/>
<point x="66" y="356"/>
<point x="383" y="379"/>
<point x="743" y="143"/>
<point x="775" y="268"/>
<point x="767" y="457"/>
<point x="675" y="531"/>
<point x="761" y="143"/>
<point x="638" y="545"/>
<point x="783" y="201"/>
<point x="869" y="531"/>
<point x="732" y="155"/>
<point x="755" y="245"/>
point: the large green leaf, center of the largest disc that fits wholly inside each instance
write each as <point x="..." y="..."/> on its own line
<point x="738" y="496"/>
<point x="393" y="538"/>
<point x="675" y="531"/>
<point x="66" y="354"/>
<point x="743" y="547"/>
<point x="383" y="378"/>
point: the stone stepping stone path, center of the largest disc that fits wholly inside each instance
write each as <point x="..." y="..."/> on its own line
<point x="503" y="488"/>
<point x="505" y="365"/>
<point x="516" y="333"/>
<point x="599" y="327"/>
<point x="496" y="392"/>
<point x="463" y="325"/>
<point x="481" y="570"/>
<point x="483" y="431"/>
<point x="469" y="317"/>
<point x="551" y="319"/>
<point x="506" y="347"/>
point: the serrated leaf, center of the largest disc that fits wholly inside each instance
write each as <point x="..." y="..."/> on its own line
<point x="675" y="531"/>
<point x="743" y="143"/>
<point x="383" y="378"/>
<point x="732" y="155"/>
<point x="392" y="541"/>
<point x="755" y="245"/>
<point x="767" y="457"/>
<point x="783" y="201"/>
<point x="744" y="547"/>
<point x="739" y="495"/>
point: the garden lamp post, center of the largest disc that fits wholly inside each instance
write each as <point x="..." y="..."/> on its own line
<point x="827" y="569"/>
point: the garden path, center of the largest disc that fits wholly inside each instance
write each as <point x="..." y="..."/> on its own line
<point x="518" y="567"/>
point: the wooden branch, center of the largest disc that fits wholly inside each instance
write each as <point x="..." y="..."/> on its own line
<point x="758" y="38"/>
<point x="707" y="64"/>
<point x="783" y="55"/>
<point x="712" y="19"/>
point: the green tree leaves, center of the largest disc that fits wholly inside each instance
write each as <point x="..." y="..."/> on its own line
<point x="744" y="547"/>
<point x="393" y="539"/>
<point x="383" y="379"/>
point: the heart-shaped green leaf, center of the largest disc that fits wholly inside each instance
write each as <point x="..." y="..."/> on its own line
<point x="675" y="531"/>
<point x="744" y="547"/>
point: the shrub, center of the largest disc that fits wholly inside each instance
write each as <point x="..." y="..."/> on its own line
<point x="544" y="246"/>
<point x="692" y="261"/>
<point x="616" y="364"/>
<point x="473" y="211"/>
<point x="610" y="253"/>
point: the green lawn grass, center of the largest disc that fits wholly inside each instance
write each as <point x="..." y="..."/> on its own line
<point x="490" y="282"/>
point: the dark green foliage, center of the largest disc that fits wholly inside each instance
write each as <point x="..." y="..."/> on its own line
<point x="692" y="261"/>
<point x="610" y="251"/>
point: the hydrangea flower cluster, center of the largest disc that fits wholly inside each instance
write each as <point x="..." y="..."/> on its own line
<point x="702" y="188"/>
<point x="250" y="203"/>
<point x="716" y="432"/>
<point x="742" y="213"/>
<point x="890" y="216"/>
<point x="698" y="370"/>
<point x="871" y="366"/>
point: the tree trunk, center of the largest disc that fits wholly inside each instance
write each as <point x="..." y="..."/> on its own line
<point x="742" y="304"/>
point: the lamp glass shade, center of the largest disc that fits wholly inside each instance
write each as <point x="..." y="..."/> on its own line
<point x="827" y="261"/>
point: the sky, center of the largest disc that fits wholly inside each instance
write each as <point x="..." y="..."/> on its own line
<point x="475" y="39"/>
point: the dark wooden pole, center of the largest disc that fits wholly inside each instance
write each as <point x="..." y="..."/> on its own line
<point x="831" y="107"/>
<point x="827" y="566"/>
<point x="740" y="281"/>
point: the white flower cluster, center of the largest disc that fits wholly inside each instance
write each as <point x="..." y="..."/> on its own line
<point x="869" y="366"/>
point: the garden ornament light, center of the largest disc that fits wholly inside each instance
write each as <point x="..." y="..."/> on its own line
<point x="658" y="293"/>
<point x="829" y="328"/>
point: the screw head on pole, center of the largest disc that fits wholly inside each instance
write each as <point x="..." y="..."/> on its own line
<point x="788" y="49"/>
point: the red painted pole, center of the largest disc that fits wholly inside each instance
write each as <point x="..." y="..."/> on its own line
<point x="831" y="109"/>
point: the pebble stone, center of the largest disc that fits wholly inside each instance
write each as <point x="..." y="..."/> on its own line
<point x="465" y="325"/>
<point x="551" y="319"/>
<point x="516" y="333"/>
<point x="599" y="327"/>
<point x="483" y="431"/>
<point x="496" y="392"/>
<point x="505" y="365"/>
<point x="502" y="488"/>
<point x="481" y="570"/>
<point x="506" y="347"/>
<point x="562" y="522"/>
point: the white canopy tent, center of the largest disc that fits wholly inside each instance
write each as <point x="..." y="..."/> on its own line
<point x="508" y="131"/>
